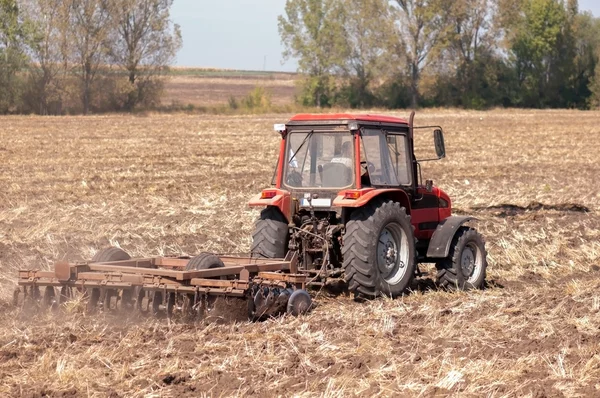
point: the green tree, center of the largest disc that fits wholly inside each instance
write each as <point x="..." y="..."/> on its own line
<point x="469" y="49"/>
<point x="535" y="46"/>
<point x="310" y="34"/>
<point x="586" y="30"/>
<point x="367" y="35"/>
<point x="594" y="87"/>
<point x="146" y="43"/>
<point x="91" y="30"/>
<point x="421" y="27"/>
<point x="49" y="52"/>
<point x="14" y="34"/>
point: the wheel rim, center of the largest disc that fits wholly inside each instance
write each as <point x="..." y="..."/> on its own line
<point x="471" y="261"/>
<point x="392" y="253"/>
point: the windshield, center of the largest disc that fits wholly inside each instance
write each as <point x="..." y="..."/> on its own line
<point x="322" y="160"/>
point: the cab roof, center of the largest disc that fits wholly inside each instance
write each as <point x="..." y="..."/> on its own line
<point x="344" y="117"/>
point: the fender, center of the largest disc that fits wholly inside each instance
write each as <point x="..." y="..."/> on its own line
<point x="274" y="197"/>
<point x="439" y="245"/>
<point x="365" y="195"/>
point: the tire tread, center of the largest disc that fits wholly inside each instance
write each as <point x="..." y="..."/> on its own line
<point x="270" y="236"/>
<point x="449" y="276"/>
<point x="359" y="248"/>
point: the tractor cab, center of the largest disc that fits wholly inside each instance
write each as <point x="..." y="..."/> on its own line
<point x="329" y="157"/>
<point x="344" y="158"/>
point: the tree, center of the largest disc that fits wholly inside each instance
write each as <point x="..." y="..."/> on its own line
<point x="367" y="35"/>
<point x="586" y="30"/>
<point x="14" y="35"/>
<point x="535" y="47"/>
<point x="90" y="29"/>
<point x="146" y="43"/>
<point x="594" y="87"/>
<point x="49" y="52"/>
<point x="470" y="41"/>
<point x="310" y="33"/>
<point x="421" y="26"/>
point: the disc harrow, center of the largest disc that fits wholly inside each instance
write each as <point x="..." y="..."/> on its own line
<point x="167" y="287"/>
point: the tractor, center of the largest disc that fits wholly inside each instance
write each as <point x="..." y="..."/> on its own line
<point x="348" y="207"/>
<point x="349" y="201"/>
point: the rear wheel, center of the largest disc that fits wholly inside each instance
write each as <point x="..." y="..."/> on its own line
<point x="110" y="254"/>
<point x="270" y="237"/>
<point x="379" y="250"/>
<point x="104" y="256"/>
<point x="465" y="267"/>
<point x="204" y="261"/>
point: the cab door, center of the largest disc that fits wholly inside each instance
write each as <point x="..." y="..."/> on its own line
<point x="424" y="207"/>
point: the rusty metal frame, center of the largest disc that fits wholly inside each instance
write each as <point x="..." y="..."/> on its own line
<point x="168" y="274"/>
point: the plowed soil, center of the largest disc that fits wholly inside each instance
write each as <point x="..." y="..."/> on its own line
<point x="178" y="184"/>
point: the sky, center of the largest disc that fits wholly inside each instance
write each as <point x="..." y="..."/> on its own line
<point x="232" y="34"/>
<point x="242" y="34"/>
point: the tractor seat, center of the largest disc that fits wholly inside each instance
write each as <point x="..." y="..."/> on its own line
<point x="336" y="175"/>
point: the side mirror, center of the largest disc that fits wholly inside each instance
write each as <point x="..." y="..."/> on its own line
<point x="438" y="139"/>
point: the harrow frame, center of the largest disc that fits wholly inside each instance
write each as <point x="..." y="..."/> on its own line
<point x="164" y="279"/>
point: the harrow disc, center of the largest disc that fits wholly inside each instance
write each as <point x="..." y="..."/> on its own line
<point x="110" y="300"/>
<point x="93" y="298"/>
<point x="271" y="301"/>
<point x="126" y="302"/>
<point x="157" y="300"/>
<point x="49" y="300"/>
<point x="142" y="302"/>
<point x="299" y="303"/>
<point x="66" y="294"/>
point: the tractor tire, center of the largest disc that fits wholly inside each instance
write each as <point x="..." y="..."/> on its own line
<point x="379" y="250"/>
<point x="103" y="256"/>
<point x="110" y="254"/>
<point x="204" y="261"/>
<point x="466" y="264"/>
<point x="270" y="237"/>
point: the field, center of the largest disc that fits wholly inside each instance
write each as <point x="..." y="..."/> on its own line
<point x="208" y="88"/>
<point x="178" y="184"/>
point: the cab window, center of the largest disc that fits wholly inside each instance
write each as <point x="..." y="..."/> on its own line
<point x="379" y="164"/>
<point x="385" y="158"/>
<point x="397" y="148"/>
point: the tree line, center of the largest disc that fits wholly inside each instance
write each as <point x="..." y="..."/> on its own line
<point x="464" y="53"/>
<point x="81" y="56"/>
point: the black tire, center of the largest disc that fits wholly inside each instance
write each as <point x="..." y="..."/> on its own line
<point x="110" y="254"/>
<point x="204" y="261"/>
<point x="270" y="237"/>
<point x="103" y="256"/>
<point x="451" y="274"/>
<point x="364" y="271"/>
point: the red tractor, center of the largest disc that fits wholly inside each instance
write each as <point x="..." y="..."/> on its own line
<point x="348" y="200"/>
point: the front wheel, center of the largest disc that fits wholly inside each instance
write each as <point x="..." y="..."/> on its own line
<point x="379" y="250"/>
<point x="465" y="267"/>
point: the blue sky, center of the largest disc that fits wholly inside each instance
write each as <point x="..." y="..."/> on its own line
<point x="235" y="34"/>
<point x="239" y="34"/>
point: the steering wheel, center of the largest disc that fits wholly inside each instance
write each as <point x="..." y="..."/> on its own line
<point x="294" y="179"/>
<point x="368" y="166"/>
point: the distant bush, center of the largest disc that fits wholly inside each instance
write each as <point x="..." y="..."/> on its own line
<point x="233" y="103"/>
<point x="257" y="99"/>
